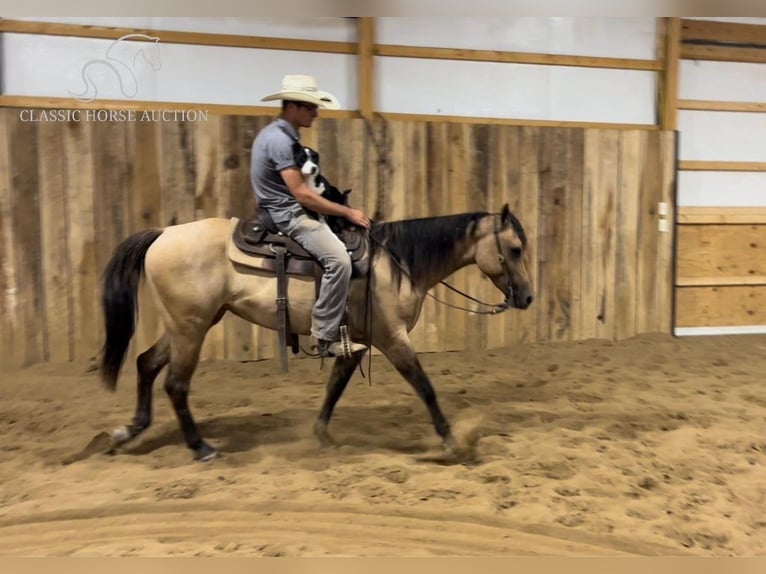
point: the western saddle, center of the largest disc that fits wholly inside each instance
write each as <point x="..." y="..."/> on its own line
<point x="257" y="243"/>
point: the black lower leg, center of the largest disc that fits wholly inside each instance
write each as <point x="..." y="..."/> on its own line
<point x="149" y="364"/>
<point x="411" y="370"/>
<point x="339" y="378"/>
<point x="177" y="388"/>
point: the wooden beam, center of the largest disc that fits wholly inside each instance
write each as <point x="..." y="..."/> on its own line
<point x="669" y="83"/>
<point x="721" y="165"/>
<point x="514" y="122"/>
<point x="397" y="51"/>
<point x="720" y="281"/>
<point x="724" y="32"/>
<point x="366" y="77"/>
<point x="723" y="53"/>
<point x="42" y="102"/>
<point x="718" y="215"/>
<point x="716" y="106"/>
<point x="141" y="105"/>
<point x="175" y="37"/>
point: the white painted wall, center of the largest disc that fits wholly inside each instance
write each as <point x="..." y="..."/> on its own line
<point x="485" y="89"/>
<point x="722" y="136"/>
<point x="51" y="66"/>
<point x="721" y="189"/>
<point x="724" y="81"/>
<point x="607" y="37"/>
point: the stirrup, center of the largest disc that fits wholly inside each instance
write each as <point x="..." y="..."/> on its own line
<point x="345" y="347"/>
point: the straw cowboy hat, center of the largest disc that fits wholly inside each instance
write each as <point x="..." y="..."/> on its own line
<point x="299" y="88"/>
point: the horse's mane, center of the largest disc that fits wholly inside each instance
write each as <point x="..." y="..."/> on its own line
<point x="426" y="245"/>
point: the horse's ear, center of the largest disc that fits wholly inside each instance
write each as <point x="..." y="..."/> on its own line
<point x="505" y="214"/>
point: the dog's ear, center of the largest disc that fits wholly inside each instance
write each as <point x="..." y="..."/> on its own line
<point x="298" y="153"/>
<point x="346" y="192"/>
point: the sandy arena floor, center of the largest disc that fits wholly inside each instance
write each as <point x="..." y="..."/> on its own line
<point x="651" y="446"/>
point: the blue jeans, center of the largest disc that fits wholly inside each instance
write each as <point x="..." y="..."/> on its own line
<point x="317" y="238"/>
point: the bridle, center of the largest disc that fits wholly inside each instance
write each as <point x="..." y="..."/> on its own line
<point x="495" y="308"/>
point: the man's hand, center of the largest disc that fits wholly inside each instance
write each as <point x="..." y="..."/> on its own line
<point x="358" y="218"/>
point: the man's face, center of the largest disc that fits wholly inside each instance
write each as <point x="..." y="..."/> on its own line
<point x="305" y="114"/>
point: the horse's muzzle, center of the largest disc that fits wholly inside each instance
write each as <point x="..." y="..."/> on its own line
<point x="519" y="299"/>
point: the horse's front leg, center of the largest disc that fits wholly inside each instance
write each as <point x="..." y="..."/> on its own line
<point x="339" y="378"/>
<point x="402" y="355"/>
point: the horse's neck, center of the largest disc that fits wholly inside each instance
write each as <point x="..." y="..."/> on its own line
<point x="461" y="258"/>
<point x="464" y="253"/>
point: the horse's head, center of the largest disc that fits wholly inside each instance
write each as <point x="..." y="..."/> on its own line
<point x="502" y="256"/>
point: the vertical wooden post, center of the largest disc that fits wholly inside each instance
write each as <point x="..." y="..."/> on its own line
<point x="668" y="104"/>
<point x="365" y="55"/>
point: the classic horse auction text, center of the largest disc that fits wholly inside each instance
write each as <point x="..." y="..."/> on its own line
<point x="78" y="115"/>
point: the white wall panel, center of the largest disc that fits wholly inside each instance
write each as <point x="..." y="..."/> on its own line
<point x="721" y="189"/>
<point x="722" y="81"/>
<point x="484" y="89"/>
<point x="52" y="66"/>
<point x="608" y="37"/>
<point x="332" y="29"/>
<point x="722" y="136"/>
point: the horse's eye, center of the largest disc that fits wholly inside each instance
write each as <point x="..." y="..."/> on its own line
<point x="516" y="252"/>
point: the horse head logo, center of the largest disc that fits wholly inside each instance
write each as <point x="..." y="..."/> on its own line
<point x="121" y="57"/>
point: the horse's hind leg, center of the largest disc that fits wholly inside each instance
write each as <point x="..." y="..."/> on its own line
<point x="149" y="364"/>
<point x="184" y="356"/>
<point x="400" y="352"/>
<point x="341" y="374"/>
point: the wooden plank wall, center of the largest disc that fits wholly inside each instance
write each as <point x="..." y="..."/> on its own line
<point x="721" y="251"/>
<point x="69" y="192"/>
<point x="721" y="270"/>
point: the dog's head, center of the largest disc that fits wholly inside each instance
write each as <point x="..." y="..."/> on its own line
<point x="306" y="159"/>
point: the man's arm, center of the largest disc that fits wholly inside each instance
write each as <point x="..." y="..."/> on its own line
<point x="315" y="202"/>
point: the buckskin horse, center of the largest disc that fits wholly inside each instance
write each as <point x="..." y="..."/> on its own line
<point x="195" y="282"/>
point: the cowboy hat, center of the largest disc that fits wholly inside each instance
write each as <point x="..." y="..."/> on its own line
<point x="299" y="88"/>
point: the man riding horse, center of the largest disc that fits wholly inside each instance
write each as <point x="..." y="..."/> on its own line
<point x="281" y="190"/>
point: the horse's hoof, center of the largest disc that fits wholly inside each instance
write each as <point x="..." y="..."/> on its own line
<point x="450" y="447"/>
<point x="204" y="453"/>
<point x="121" y="434"/>
<point x="324" y="438"/>
<point x="326" y="441"/>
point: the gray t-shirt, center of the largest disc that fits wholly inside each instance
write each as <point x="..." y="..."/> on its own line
<point x="272" y="152"/>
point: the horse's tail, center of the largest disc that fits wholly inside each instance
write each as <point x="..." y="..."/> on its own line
<point x="120" y="301"/>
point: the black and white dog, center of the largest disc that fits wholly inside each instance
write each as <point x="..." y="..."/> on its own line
<point x="307" y="160"/>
